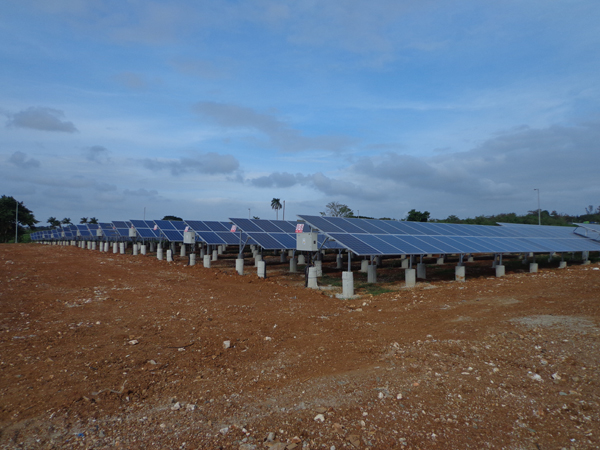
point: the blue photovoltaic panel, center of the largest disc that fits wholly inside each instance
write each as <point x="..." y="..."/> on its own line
<point x="379" y="244"/>
<point x="173" y="235"/>
<point x="287" y="240"/>
<point x="218" y="226"/>
<point x="247" y="225"/>
<point x="139" y="224"/>
<point x="232" y="238"/>
<point x="368" y="226"/>
<point x="146" y="233"/>
<point x="322" y="224"/>
<point x="164" y="225"/>
<point x="287" y="226"/>
<point x="120" y="224"/>
<point x="178" y="225"/>
<point x="210" y="237"/>
<point x="265" y="241"/>
<point x="268" y="226"/>
<point x="354" y="244"/>
<point x="197" y="225"/>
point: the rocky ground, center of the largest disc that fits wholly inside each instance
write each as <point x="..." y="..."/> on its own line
<point x="102" y="350"/>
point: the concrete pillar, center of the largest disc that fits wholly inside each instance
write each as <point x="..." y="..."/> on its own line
<point x="283" y="257"/>
<point x="182" y="250"/>
<point x="533" y="267"/>
<point x="115" y="247"/>
<point x="586" y="262"/>
<point x="290" y="253"/>
<point x="172" y="248"/>
<point x="562" y="265"/>
<point x="257" y="259"/>
<point x="219" y="250"/>
<point x="122" y="248"/>
<point x="379" y="260"/>
<point x="372" y="273"/>
<point x="239" y="266"/>
<point x="192" y="259"/>
<point x="312" y="278"/>
<point x="339" y="262"/>
<point x="143" y="249"/>
<point x="405" y="262"/>
<point x="135" y="250"/>
<point x="301" y="259"/>
<point x="364" y="265"/>
<point x="202" y="252"/>
<point x="410" y="277"/>
<point x="261" y="269"/>
<point x="421" y="271"/>
<point x="459" y="273"/>
<point x="207" y="261"/>
<point x="440" y="261"/>
<point x="159" y="253"/>
<point x="293" y="265"/>
<point x="93" y="245"/>
<point x="215" y="254"/>
<point x="170" y="255"/>
<point x="106" y="246"/>
<point x="319" y="267"/>
<point x="470" y="259"/>
<point x="500" y="270"/>
<point x="152" y="247"/>
<point x="347" y="284"/>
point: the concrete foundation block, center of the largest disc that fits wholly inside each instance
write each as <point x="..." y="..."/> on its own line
<point x="257" y="259"/>
<point x="169" y="255"/>
<point x="421" y="271"/>
<point x="143" y="249"/>
<point x="347" y="284"/>
<point x="206" y="261"/>
<point x="405" y="262"/>
<point x="372" y="273"/>
<point x="364" y="265"/>
<point x="562" y="265"/>
<point x="220" y="250"/>
<point x="301" y="259"/>
<point x="319" y="268"/>
<point x="122" y="248"/>
<point x="293" y="265"/>
<point x="135" y="250"/>
<point x="410" y="277"/>
<point x="192" y="259"/>
<point x="159" y="253"/>
<point x="182" y="250"/>
<point x="282" y="257"/>
<point x="261" y="269"/>
<point x="239" y="266"/>
<point x="215" y="254"/>
<point x="202" y="253"/>
<point x="440" y="261"/>
<point x="586" y="262"/>
<point x="470" y="259"/>
<point x="338" y="262"/>
<point x="115" y="248"/>
<point x="459" y="273"/>
<point x="312" y="278"/>
<point x="500" y="270"/>
<point x="533" y="267"/>
<point x="290" y="253"/>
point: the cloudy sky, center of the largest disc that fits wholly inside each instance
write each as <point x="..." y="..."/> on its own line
<point x="209" y="109"/>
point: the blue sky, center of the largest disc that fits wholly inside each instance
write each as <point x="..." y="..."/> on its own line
<point x="206" y="109"/>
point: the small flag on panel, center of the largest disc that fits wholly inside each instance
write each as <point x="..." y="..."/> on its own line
<point x="233" y="229"/>
<point x="300" y="228"/>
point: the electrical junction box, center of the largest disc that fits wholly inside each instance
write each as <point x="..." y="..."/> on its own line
<point x="307" y="242"/>
<point x="132" y="232"/>
<point x="99" y="232"/>
<point x="189" y="237"/>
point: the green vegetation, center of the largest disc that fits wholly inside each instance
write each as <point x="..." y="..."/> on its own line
<point x="9" y="219"/>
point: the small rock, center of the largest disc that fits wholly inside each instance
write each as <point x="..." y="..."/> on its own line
<point x="226" y="344"/>
<point x="190" y="407"/>
<point x="176" y="407"/>
<point x="380" y="395"/>
<point x="354" y="439"/>
<point x="224" y="430"/>
<point x="152" y="362"/>
<point x="399" y="397"/>
<point x="134" y="342"/>
<point x="319" y="418"/>
<point x="270" y="437"/>
<point x="267" y="338"/>
<point x="556" y="376"/>
<point x="247" y="447"/>
<point x="339" y="429"/>
<point x="535" y="376"/>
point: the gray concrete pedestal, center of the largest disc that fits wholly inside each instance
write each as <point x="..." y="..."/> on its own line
<point x="405" y="263"/>
<point x="159" y="253"/>
<point x="215" y="254"/>
<point x="301" y="259"/>
<point x="293" y="265"/>
<point x="239" y="266"/>
<point x="410" y="277"/>
<point x="459" y="273"/>
<point x="562" y="265"/>
<point x="312" y="278"/>
<point x="533" y="267"/>
<point x="364" y="265"/>
<point x="169" y="255"/>
<point x="500" y="270"/>
<point x="192" y="259"/>
<point x="319" y="268"/>
<point x="372" y="273"/>
<point x="206" y="261"/>
<point x="347" y="284"/>
<point x="421" y="271"/>
<point x="261" y="269"/>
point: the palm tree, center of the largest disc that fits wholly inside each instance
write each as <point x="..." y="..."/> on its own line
<point x="83" y="220"/>
<point x="276" y="205"/>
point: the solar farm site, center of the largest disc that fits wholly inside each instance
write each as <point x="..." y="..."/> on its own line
<point x="106" y="345"/>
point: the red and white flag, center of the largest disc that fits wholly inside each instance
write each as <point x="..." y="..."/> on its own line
<point x="233" y="229"/>
<point x="300" y="228"/>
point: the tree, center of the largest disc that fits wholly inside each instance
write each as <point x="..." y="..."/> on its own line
<point x="336" y="209"/>
<point x="276" y="205"/>
<point x="256" y="217"/>
<point x="54" y="223"/>
<point x="66" y="221"/>
<point x="589" y="209"/>
<point x="11" y="219"/>
<point x="83" y="220"/>
<point x="93" y="220"/>
<point x="175" y="218"/>
<point x="418" y="216"/>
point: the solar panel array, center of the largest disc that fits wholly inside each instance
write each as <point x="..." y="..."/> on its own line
<point x="589" y="230"/>
<point x="368" y="237"/>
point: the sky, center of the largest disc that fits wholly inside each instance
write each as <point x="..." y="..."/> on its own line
<point x="207" y="110"/>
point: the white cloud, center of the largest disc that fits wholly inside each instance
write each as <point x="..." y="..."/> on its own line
<point x="210" y="163"/>
<point x="20" y="160"/>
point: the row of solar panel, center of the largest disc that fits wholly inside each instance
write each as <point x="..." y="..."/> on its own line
<point x="394" y="238"/>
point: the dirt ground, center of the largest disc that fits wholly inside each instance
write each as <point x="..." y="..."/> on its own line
<point x="102" y="350"/>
